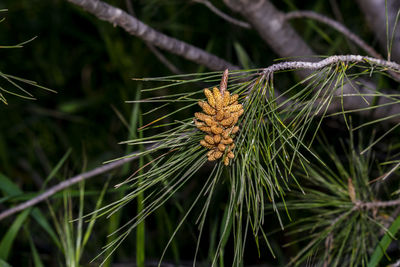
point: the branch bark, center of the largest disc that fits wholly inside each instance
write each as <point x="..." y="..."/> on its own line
<point x="135" y="27"/>
<point x="65" y="184"/>
<point x="329" y="61"/>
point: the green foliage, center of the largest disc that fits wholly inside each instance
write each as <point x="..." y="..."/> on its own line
<point x="8" y="239"/>
<point x="384" y="243"/>
<point x="337" y="230"/>
<point x="73" y="240"/>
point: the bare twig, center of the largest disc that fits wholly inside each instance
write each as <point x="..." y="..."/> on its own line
<point x="367" y="205"/>
<point x="337" y="26"/>
<point x="377" y="204"/>
<point x="163" y="59"/>
<point x="154" y="50"/>
<point x="336" y="11"/>
<point x="65" y="184"/>
<point x="135" y="27"/>
<point x="329" y="61"/>
<point x="224" y="16"/>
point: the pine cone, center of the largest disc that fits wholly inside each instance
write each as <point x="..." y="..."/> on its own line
<point x="221" y="113"/>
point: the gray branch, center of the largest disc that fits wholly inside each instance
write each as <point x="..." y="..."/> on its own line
<point x="65" y="184"/>
<point x="137" y="28"/>
<point x="290" y="65"/>
<point x="377" y="204"/>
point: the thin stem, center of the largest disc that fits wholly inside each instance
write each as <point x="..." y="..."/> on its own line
<point x="154" y="50"/>
<point x="337" y="26"/>
<point x="164" y="60"/>
<point x="368" y="205"/>
<point x="224" y="16"/>
<point x="65" y="184"/>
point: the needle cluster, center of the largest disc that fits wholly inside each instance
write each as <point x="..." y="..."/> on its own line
<point x="221" y="113"/>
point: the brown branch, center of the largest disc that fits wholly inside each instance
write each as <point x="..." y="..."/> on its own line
<point x="132" y="25"/>
<point x="337" y="26"/>
<point x="65" y="184"/>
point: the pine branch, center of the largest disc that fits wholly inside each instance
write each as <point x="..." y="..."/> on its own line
<point x="65" y="184"/>
<point x="271" y="25"/>
<point x="283" y="39"/>
<point x="135" y="27"/>
<point x="358" y="205"/>
<point x="329" y="61"/>
<point x="377" y="204"/>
